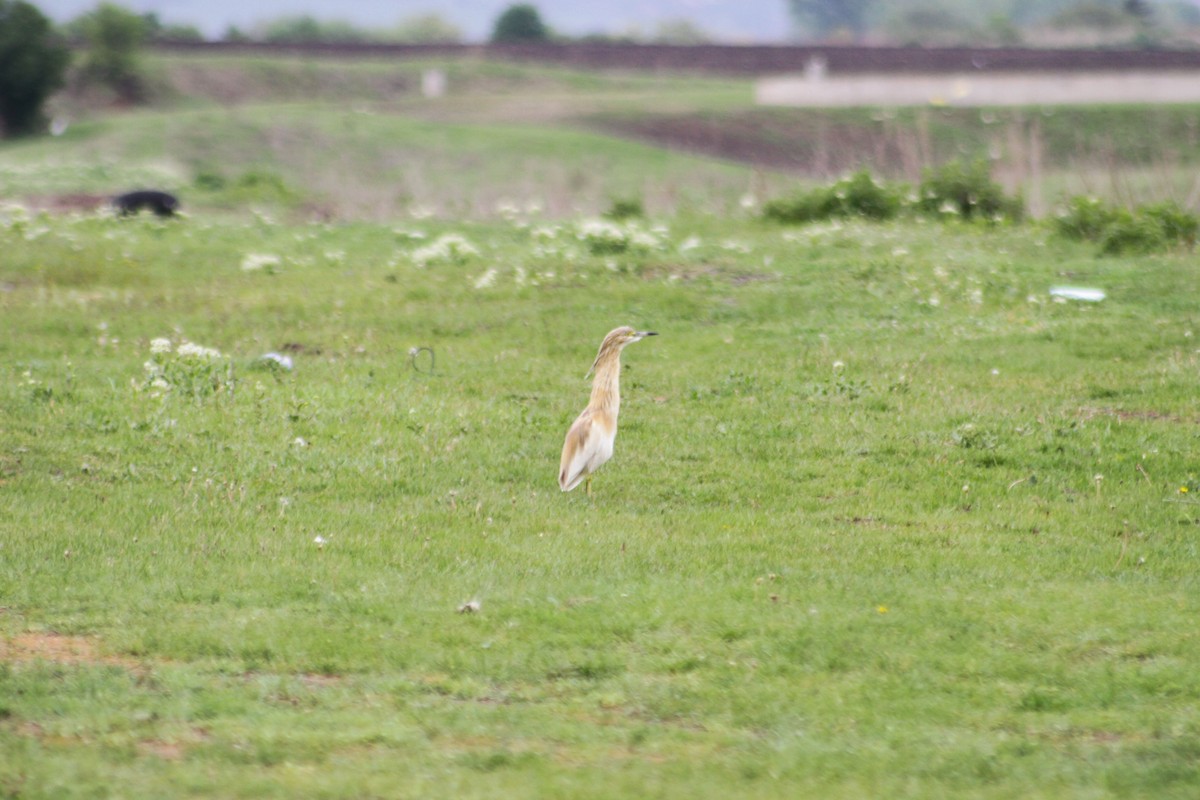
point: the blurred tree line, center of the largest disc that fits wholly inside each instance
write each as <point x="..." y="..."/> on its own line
<point x="36" y="59"/>
<point x="997" y="22"/>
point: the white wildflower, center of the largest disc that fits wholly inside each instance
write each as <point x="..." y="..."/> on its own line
<point x="602" y="236"/>
<point x="449" y="248"/>
<point x="487" y="279"/>
<point x="160" y="345"/>
<point x="197" y="351"/>
<point x="256" y="261"/>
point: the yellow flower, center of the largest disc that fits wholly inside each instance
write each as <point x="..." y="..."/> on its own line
<point x="1183" y="490"/>
<point x="881" y="609"/>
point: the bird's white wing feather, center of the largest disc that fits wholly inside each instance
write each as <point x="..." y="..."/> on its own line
<point x="577" y="451"/>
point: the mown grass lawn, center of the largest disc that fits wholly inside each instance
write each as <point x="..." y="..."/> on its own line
<point x="884" y="520"/>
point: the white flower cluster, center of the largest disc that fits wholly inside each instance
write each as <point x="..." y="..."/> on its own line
<point x="187" y="367"/>
<point x="197" y="351"/>
<point x="253" y="262"/>
<point x="13" y="214"/>
<point x="606" y="237"/>
<point x="449" y="248"/>
<point x="487" y="279"/>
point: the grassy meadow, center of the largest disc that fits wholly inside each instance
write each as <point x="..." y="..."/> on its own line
<point x="885" y="518"/>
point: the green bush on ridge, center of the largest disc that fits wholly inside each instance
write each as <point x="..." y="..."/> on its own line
<point x="952" y="189"/>
<point x="1147" y="229"/>
<point x="968" y="192"/>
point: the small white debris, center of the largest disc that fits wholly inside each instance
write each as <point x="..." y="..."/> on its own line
<point x="320" y="542"/>
<point x="470" y="607"/>
<point x="1078" y="293"/>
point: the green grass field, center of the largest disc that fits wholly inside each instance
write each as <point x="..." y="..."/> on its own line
<point x="853" y="541"/>
<point x="884" y="519"/>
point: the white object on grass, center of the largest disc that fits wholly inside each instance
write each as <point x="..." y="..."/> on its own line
<point x="1078" y="293"/>
<point x="278" y="358"/>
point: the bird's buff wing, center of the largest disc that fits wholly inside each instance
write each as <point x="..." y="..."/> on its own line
<point x="575" y="453"/>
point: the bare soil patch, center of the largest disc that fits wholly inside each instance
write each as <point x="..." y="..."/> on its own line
<point x="771" y="139"/>
<point x="57" y="648"/>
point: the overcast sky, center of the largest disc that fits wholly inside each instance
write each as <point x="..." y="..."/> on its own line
<point x="725" y="20"/>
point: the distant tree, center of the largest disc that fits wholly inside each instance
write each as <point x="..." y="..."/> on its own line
<point x="1091" y="14"/>
<point x="304" y="28"/>
<point x="33" y="63"/>
<point x="826" y="18"/>
<point x="520" y="23"/>
<point x="680" y="32"/>
<point x="114" y="37"/>
<point x="927" y="24"/>
<point x="235" y="34"/>
<point x="156" y="31"/>
<point x="1001" y="30"/>
<point x="427" y="28"/>
<point x="1138" y="8"/>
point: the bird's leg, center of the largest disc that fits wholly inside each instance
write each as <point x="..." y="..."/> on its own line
<point x="587" y="484"/>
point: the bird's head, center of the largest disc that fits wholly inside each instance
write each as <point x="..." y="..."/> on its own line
<point x="626" y="335"/>
<point x="617" y="339"/>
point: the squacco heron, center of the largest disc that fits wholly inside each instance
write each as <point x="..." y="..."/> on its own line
<point x="590" y="440"/>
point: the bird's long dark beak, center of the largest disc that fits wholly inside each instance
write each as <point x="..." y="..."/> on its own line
<point x="647" y="333"/>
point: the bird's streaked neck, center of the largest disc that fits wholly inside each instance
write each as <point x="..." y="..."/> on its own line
<point x="606" y="385"/>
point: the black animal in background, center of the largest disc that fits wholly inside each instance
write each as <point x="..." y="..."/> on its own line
<point x="162" y="204"/>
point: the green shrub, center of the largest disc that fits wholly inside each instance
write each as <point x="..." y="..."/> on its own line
<point x="1133" y="233"/>
<point x="1148" y="229"/>
<point x="861" y="195"/>
<point x="1085" y="218"/>
<point x="802" y="207"/>
<point x="858" y="195"/>
<point x="967" y="190"/>
<point x="625" y="208"/>
<point x="263" y="186"/>
<point x="1178" y="225"/>
<point x="210" y="181"/>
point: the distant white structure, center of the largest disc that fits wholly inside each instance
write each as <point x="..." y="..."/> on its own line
<point x="433" y="83"/>
<point x="818" y="89"/>
<point x="815" y="68"/>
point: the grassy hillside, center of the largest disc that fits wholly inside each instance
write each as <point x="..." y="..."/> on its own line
<point x="357" y="139"/>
